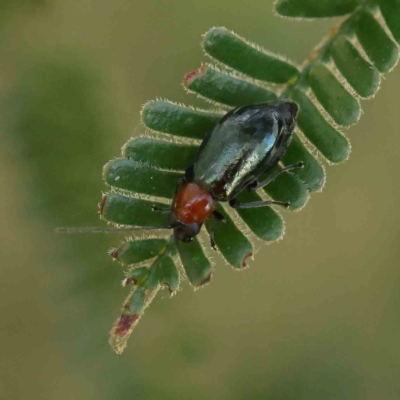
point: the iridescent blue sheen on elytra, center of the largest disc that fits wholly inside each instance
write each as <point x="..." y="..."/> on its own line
<point x="246" y="143"/>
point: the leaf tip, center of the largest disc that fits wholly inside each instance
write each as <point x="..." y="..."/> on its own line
<point x="207" y="280"/>
<point x="128" y="281"/>
<point x="192" y="75"/>
<point x="121" y="331"/>
<point x="115" y="252"/>
<point x="246" y="257"/>
<point x="102" y="204"/>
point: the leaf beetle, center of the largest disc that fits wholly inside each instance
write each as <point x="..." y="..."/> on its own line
<point x="247" y="142"/>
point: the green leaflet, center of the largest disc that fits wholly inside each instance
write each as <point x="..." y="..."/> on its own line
<point x="127" y="210"/>
<point x="359" y="73"/>
<point x="237" y="53"/>
<point x="140" y="178"/>
<point x="315" y="8"/>
<point x="381" y="50"/>
<point x="331" y="143"/>
<point x="225" y="89"/>
<point x="136" y="276"/>
<point x="137" y="302"/>
<point x="177" y="120"/>
<point x="336" y="100"/>
<point x="160" y="154"/>
<point x="196" y="264"/>
<point x="391" y="13"/>
<point x="137" y="251"/>
<point x="168" y="274"/>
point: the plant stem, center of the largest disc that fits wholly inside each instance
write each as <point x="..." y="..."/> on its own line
<point x="321" y="51"/>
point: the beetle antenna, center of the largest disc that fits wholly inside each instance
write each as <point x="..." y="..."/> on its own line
<point x="96" y="229"/>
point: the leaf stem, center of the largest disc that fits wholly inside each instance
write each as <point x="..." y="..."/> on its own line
<point x="321" y="51"/>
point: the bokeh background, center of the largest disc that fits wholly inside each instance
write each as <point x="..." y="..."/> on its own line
<point x="317" y="314"/>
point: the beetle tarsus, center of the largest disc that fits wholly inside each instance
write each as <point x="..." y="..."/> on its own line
<point x="253" y="186"/>
<point x="212" y="241"/>
<point x="219" y="216"/>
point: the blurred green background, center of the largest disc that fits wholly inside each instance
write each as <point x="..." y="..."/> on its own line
<point x="317" y="314"/>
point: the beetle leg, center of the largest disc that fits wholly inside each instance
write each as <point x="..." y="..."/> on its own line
<point x="212" y="240"/>
<point x="154" y="207"/>
<point x="254" y="204"/>
<point x="219" y="216"/>
<point x="273" y="176"/>
<point x="252" y="186"/>
<point x="189" y="175"/>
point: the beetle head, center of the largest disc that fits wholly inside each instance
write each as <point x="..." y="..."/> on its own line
<point x="186" y="232"/>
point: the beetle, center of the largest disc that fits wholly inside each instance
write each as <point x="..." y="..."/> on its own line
<point x="247" y="142"/>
